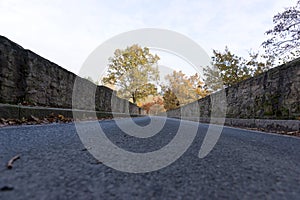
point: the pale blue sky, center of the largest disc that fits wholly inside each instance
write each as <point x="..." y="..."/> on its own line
<point x="66" y="31"/>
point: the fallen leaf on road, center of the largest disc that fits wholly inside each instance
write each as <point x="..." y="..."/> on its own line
<point x="11" y="122"/>
<point x="2" y="120"/>
<point x="60" y="117"/>
<point x="11" y="161"/>
<point x="34" y="118"/>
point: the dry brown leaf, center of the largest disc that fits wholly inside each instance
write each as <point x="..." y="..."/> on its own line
<point x="60" y="117"/>
<point x="11" y="122"/>
<point x="34" y="118"/>
<point x="11" y="161"/>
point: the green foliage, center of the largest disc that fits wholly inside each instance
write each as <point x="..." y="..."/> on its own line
<point x="133" y="72"/>
<point x="259" y="63"/>
<point x="231" y="67"/>
<point x="170" y="100"/>
<point x="228" y="69"/>
<point x="213" y="79"/>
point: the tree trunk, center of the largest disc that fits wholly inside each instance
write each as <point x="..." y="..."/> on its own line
<point x="133" y="97"/>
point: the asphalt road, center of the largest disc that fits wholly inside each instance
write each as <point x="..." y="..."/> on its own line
<point x="54" y="164"/>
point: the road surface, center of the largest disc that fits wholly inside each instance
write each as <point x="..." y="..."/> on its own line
<point x="54" y="164"/>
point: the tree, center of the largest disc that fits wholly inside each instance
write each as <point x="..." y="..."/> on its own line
<point x="157" y="108"/>
<point x="186" y="88"/>
<point x="170" y="100"/>
<point x="197" y="86"/>
<point x="228" y="69"/>
<point x="152" y="105"/>
<point x="227" y="66"/>
<point x="213" y="80"/>
<point x="133" y="72"/>
<point x="285" y="35"/>
<point x="259" y="63"/>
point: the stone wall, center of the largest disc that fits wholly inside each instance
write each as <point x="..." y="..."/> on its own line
<point x="274" y="94"/>
<point x="27" y="77"/>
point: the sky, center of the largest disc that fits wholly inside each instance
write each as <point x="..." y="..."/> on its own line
<point x="67" y="31"/>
